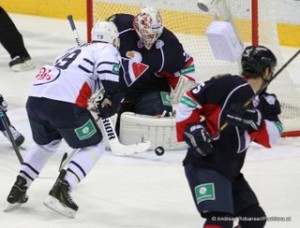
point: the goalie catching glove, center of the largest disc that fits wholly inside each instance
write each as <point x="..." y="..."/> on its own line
<point x="246" y="118"/>
<point x="108" y="105"/>
<point x="198" y="140"/>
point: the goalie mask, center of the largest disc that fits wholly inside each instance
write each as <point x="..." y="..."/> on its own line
<point x="106" y="31"/>
<point x="148" y="25"/>
<point x="255" y="59"/>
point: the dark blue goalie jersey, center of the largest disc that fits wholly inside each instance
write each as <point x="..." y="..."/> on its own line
<point x="165" y="56"/>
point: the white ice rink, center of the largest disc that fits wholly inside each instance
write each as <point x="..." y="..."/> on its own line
<point x="141" y="191"/>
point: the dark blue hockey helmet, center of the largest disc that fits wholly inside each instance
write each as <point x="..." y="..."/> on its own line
<point x="255" y="59"/>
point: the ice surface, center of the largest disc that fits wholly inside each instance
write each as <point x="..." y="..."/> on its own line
<point x="141" y="191"/>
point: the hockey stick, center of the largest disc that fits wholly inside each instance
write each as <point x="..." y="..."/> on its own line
<point x="116" y="147"/>
<point x="11" y="138"/>
<point x="107" y="128"/>
<point x="67" y="158"/>
<point x="74" y="30"/>
<point x="263" y="87"/>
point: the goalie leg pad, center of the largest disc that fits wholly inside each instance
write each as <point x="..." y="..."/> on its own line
<point x="159" y="131"/>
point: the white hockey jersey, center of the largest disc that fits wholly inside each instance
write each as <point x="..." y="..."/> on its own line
<point x="78" y="73"/>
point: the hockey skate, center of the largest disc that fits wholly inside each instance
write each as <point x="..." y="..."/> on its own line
<point x="17" y="195"/>
<point x="21" y="63"/>
<point x="59" y="198"/>
<point x="18" y="137"/>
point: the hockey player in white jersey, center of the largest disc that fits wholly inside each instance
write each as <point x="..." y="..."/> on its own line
<point x="57" y="109"/>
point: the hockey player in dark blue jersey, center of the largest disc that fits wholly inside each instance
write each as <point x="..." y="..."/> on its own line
<point x="215" y="157"/>
<point x="153" y="60"/>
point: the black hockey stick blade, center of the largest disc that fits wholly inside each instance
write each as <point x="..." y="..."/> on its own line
<point x="64" y="157"/>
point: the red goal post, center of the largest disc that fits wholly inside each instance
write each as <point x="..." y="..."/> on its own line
<point x="254" y="22"/>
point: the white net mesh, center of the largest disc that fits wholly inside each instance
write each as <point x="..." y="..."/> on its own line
<point x="189" y="23"/>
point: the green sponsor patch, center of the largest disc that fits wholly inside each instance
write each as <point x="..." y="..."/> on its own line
<point x="115" y="68"/>
<point x="188" y="70"/>
<point x="279" y="126"/>
<point x="86" y="131"/>
<point x="188" y="101"/>
<point x="205" y="192"/>
<point x="165" y="98"/>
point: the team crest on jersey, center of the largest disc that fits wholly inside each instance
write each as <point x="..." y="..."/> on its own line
<point x="134" y="56"/>
<point x="138" y="69"/>
<point x="132" y="70"/>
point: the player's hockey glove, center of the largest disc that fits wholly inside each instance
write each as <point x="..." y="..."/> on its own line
<point x="198" y="140"/>
<point x="3" y="104"/>
<point x="269" y="107"/>
<point x="249" y="119"/>
<point x="108" y="105"/>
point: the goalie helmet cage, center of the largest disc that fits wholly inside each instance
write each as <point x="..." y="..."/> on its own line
<point x="254" y="22"/>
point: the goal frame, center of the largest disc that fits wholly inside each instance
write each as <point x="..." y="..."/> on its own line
<point x="254" y="37"/>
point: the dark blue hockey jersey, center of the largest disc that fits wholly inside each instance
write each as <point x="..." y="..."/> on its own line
<point x="208" y="102"/>
<point x="156" y="69"/>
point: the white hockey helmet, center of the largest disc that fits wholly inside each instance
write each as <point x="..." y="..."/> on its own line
<point x="148" y="25"/>
<point x="106" y="31"/>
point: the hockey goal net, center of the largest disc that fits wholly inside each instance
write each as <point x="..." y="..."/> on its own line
<point x="253" y="20"/>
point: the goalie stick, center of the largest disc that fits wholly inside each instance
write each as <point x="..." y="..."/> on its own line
<point x="11" y="138"/>
<point x="263" y="87"/>
<point x="107" y="128"/>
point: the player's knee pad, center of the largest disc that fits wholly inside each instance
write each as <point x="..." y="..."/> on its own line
<point x="52" y="146"/>
<point x="218" y="220"/>
<point x="253" y="216"/>
<point x="154" y="104"/>
<point x="43" y="152"/>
